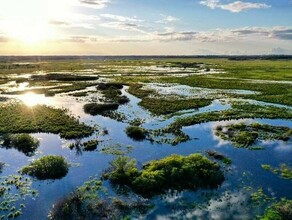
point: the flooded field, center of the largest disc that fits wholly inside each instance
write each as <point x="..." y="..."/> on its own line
<point x="110" y="112"/>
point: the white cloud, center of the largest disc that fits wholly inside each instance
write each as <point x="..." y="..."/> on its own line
<point x="234" y="7"/>
<point x="166" y="19"/>
<point x="96" y="4"/>
<point x="120" y="18"/>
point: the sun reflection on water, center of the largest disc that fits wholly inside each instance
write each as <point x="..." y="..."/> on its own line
<point x="31" y="99"/>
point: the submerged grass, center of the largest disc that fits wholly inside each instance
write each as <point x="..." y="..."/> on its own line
<point x="284" y="170"/>
<point x="19" y="118"/>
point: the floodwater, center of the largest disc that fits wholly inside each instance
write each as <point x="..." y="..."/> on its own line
<point x="227" y="202"/>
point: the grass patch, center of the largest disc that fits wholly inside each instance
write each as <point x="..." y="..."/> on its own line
<point x="174" y="172"/>
<point x="239" y="110"/>
<point x="218" y="156"/>
<point x="284" y="170"/>
<point x="162" y="106"/>
<point x="242" y="135"/>
<point x="47" y="167"/>
<point x="99" y="109"/>
<point x="19" y="118"/>
<point x="136" y="133"/>
<point x="24" y="143"/>
<point x="279" y="211"/>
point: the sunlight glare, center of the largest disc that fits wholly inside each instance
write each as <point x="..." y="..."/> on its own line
<point x="31" y="99"/>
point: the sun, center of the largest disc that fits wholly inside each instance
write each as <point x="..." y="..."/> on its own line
<point x="28" y="21"/>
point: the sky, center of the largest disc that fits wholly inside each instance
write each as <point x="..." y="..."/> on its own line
<point x="145" y="27"/>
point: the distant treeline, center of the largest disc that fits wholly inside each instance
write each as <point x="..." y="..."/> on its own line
<point x="75" y="58"/>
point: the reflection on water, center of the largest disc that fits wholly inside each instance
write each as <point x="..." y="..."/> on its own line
<point x="31" y="99"/>
<point x="93" y="163"/>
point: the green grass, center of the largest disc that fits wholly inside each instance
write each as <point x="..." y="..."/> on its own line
<point x="24" y="143"/>
<point x="283" y="171"/>
<point x="136" y="133"/>
<point x="243" y="135"/>
<point x="19" y="118"/>
<point x="47" y="167"/>
<point x="239" y="110"/>
<point x="279" y="211"/>
<point x="99" y="109"/>
<point x="174" y="172"/>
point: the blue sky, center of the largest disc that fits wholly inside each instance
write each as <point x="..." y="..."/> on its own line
<point x="146" y="27"/>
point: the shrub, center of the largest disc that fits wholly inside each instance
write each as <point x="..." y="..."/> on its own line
<point x="24" y="143"/>
<point x="123" y="170"/>
<point x="136" y="133"/>
<point x="95" y="108"/>
<point x="90" y="145"/>
<point x="279" y="211"/>
<point x="47" y="167"/>
<point x="174" y="172"/>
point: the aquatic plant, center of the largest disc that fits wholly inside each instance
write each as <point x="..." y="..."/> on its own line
<point x="47" y="167"/>
<point x="90" y="145"/>
<point x="283" y="170"/>
<point x="174" y="172"/>
<point x="87" y="203"/>
<point x="245" y="135"/>
<point x="14" y="190"/>
<point x="96" y="108"/>
<point x="24" y="143"/>
<point x="136" y="133"/>
<point x="218" y="156"/>
<point x="279" y="211"/>
<point x="19" y="118"/>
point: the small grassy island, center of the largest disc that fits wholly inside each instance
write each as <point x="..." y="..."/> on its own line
<point x="137" y="133"/>
<point x="24" y="143"/>
<point x="279" y="211"/>
<point x="19" y="118"/>
<point x="246" y="135"/>
<point x="47" y="167"/>
<point x="174" y="172"/>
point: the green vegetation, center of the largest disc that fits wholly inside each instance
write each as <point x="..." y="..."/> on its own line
<point x="160" y="106"/>
<point x="47" y="167"/>
<point x="19" y="118"/>
<point x="90" y="145"/>
<point x="239" y="110"/>
<point x="136" y="133"/>
<point x="1" y="166"/>
<point x="219" y="156"/>
<point x="112" y="93"/>
<point x="243" y="135"/>
<point x="284" y="170"/>
<point x="13" y="191"/>
<point x="279" y="211"/>
<point x="86" y="203"/>
<point x="24" y="143"/>
<point x="174" y="172"/>
<point x="96" y="109"/>
<point x="62" y="77"/>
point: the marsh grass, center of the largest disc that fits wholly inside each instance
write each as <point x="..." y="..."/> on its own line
<point x="19" y="118"/>
<point x="244" y="135"/>
<point x="47" y="167"/>
<point x="174" y="172"/>
<point x="278" y="211"/>
<point x="137" y="133"/>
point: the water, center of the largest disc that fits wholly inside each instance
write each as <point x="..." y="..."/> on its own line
<point x="245" y="170"/>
